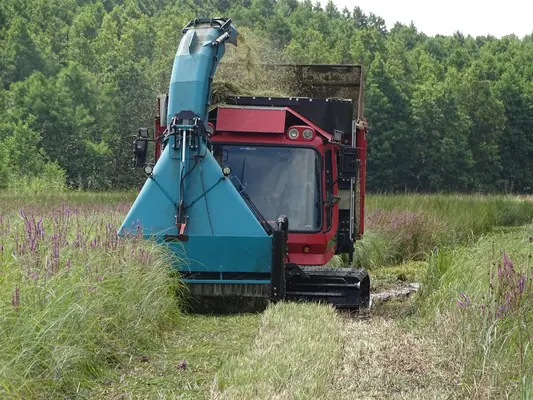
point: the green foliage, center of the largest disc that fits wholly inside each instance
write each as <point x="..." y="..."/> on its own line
<point x="446" y="113"/>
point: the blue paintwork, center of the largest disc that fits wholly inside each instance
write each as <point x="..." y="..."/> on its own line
<point x="194" y="65"/>
<point x="228" y="281"/>
<point x="233" y="253"/>
<point x="223" y="233"/>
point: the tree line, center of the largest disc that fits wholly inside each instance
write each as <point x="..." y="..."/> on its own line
<point x="79" y="77"/>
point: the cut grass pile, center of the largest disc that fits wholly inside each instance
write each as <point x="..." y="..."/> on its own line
<point x="75" y="300"/>
<point x="479" y="301"/>
<point x="289" y="351"/>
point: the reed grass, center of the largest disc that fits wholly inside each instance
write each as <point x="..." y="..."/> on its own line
<point x="75" y="300"/>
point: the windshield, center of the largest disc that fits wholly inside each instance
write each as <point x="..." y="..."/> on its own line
<point x="278" y="180"/>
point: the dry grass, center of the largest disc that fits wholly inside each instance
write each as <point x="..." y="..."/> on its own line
<point x="383" y="360"/>
<point x="294" y="356"/>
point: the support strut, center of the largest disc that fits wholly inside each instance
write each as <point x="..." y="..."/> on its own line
<point x="279" y="252"/>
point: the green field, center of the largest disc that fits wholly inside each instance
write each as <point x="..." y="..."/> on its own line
<point x="84" y="315"/>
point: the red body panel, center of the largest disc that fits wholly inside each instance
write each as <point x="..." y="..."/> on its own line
<point x="321" y="244"/>
<point x="260" y="120"/>
<point x="319" y="253"/>
<point x="268" y="126"/>
<point x="251" y="120"/>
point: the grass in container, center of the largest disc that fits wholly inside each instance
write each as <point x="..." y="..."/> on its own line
<point x="75" y="299"/>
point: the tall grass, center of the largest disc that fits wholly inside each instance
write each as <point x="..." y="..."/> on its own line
<point x="44" y="202"/>
<point x="477" y="280"/>
<point x="463" y="215"/>
<point x="401" y="228"/>
<point x="75" y="299"/>
<point x="479" y="301"/>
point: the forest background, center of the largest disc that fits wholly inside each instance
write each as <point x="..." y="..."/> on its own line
<point x="79" y="77"/>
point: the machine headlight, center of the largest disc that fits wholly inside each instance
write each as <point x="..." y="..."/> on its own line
<point x="148" y="170"/>
<point x="226" y="170"/>
<point x="293" y="133"/>
<point x="307" y="134"/>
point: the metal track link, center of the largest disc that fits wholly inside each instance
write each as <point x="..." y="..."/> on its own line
<point x="341" y="287"/>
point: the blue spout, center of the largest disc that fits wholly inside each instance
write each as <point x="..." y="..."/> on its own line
<point x="187" y="202"/>
<point x="197" y="58"/>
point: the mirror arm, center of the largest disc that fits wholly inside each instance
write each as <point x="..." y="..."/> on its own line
<point x="140" y="152"/>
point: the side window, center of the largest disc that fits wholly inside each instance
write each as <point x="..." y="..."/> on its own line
<point x="329" y="187"/>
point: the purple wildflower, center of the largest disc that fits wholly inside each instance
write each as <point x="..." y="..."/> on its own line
<point x="521" y="284"/>
<point x="15" y="299"/>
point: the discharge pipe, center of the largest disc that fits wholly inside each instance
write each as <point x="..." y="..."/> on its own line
<point x="199" y="52"/>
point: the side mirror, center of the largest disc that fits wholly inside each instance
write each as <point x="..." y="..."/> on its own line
<point x="332" y="200"/>
<point x="140" y="147"/>
<point x="349" y="162"/>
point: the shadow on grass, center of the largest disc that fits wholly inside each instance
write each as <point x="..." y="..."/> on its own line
<point x="228" y="305"/>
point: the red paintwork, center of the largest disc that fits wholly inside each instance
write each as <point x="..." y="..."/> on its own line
<point x="320" y="253"/>
<point x="251" y="120"/>
<point x="260" y="120"/>
<point x="268" y="126"/>
<point x="265" y="138"/>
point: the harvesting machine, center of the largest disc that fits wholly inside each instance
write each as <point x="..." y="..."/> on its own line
<point x="257" y="194"/>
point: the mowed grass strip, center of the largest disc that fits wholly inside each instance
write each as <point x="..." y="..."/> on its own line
<point x="186" y="362"/>
<point x="294" y="356"/>
<point x="385" y="360"/>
